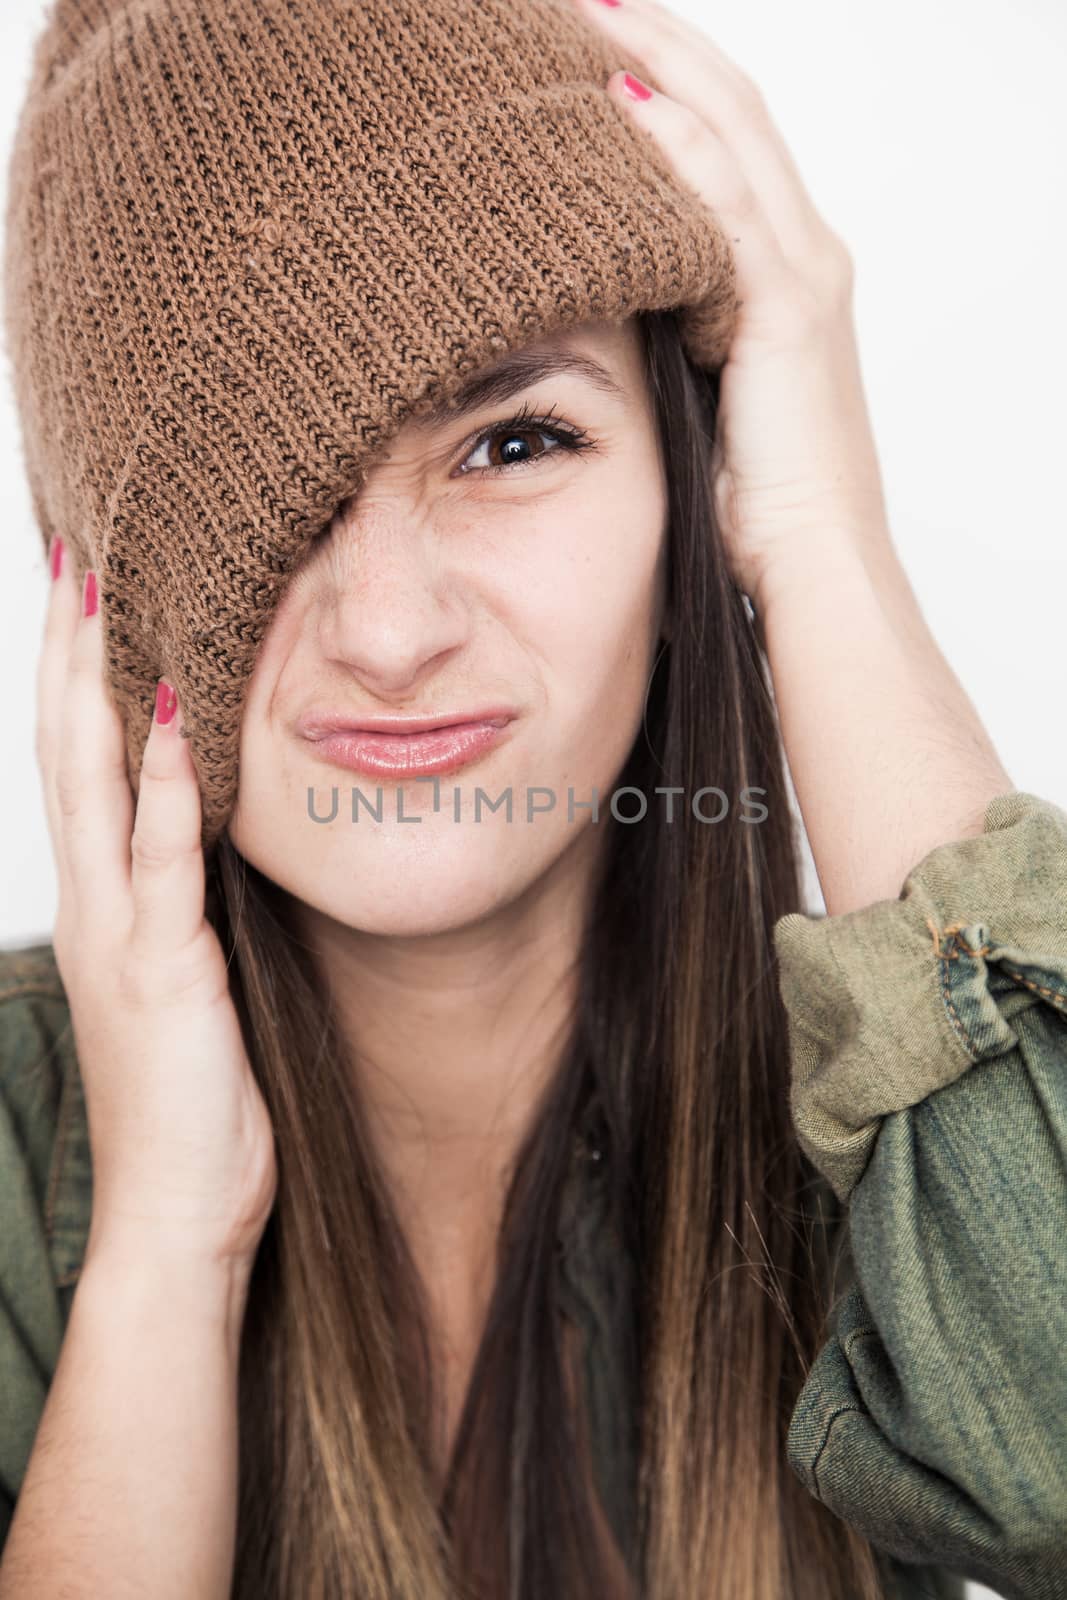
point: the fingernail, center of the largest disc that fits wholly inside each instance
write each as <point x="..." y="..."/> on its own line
<point x="56" y="557"/>
<point x="611" y="2"/>
<point x="166" y="701"/>
<point x="635" y="88"/>
<point x="89" y="597"/>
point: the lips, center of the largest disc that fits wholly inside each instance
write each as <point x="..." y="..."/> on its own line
<point x="314" y="725"/>
<point x="405" y="747"/>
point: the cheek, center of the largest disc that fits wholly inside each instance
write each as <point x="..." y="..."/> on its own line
<point x="586" y="564"/>
<point x="277" y="647"/>
<point x="271" y="786"/>
<point x="591" y="614"/>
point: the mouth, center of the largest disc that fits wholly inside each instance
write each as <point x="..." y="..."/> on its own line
<point x="396" y="747"/>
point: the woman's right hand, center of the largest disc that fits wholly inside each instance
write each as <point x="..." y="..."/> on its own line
<point x="182" y="1145"/>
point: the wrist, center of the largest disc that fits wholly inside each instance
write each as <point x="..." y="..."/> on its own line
<point x="800" y="564"/>
<point x="820" y="560"/>
<point x="157" y="1280"/>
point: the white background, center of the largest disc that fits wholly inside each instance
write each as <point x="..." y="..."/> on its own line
<point x="931" y="136"/>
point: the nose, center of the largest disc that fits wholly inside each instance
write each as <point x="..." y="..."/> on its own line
<point x="392" y="609"/>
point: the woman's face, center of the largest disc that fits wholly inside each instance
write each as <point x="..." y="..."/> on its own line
<point x="446" y="590"/>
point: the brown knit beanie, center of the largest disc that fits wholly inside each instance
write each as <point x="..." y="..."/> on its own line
<point x="246" y="239"/>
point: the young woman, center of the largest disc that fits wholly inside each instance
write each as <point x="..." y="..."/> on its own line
<point x="472" y="1156"/>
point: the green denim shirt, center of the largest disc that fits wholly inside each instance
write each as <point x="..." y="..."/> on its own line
<point x="928" y="1041"/>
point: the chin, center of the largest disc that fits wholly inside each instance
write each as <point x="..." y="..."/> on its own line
<point x="411" y="910"/>
<point x="400" y="881"/>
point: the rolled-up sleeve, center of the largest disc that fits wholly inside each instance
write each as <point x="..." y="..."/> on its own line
<point x="928" y="1038"/>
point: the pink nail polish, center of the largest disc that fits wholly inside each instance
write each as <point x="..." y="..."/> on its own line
<point x="56" y="557"/>
<point x="89" y="595"/>
<point x="635" y="88"/>
<point x="611" y="2"/>
<point x="166" y="701"/>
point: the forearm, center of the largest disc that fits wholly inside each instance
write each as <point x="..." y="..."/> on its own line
<point x="131" y="1486"/>
<point x="888" y="756"/>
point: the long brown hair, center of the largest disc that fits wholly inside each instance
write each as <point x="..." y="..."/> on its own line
<point x="680" y="1034"/>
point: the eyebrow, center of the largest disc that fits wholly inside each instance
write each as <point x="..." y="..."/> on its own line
<point x="515" y="372"/>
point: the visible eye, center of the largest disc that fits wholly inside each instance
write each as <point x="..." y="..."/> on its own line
<point x="510" y="435"/>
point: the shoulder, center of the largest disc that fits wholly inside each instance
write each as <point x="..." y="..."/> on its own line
<point x="29" y="973"/>
<point x="44" y="1147"/>
<point x="34" y="1027"/>
<point x="45" y="1196"/>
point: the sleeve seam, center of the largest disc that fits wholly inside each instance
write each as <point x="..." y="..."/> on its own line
<point x="868" y="1332"/>
<point x="1053" y="996"/>
<point x="943" y="958"/>
<point x="956" y="944"/>
<point x="846" y="1345"/>
<point x="840" y="1411"/>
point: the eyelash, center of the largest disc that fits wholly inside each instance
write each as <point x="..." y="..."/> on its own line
<point x="568" y="438"/>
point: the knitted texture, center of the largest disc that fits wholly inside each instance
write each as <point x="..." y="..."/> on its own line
<point x="246" y="239"/>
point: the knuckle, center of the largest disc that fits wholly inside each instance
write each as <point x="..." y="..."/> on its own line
<point x="148" y="851"/>
<point x="803" y="310"/>
<point x="653" y="56"/>
<point x="747" y="100"/>
<point x="837" y="265"/>
<point x="68" y="792"/>
<point x="79" y="670"/>
<point x="695" y="136"/>
<point x="736" y="195"/>
<point x="814" y="297"/>
<point x="146" y="982"/>
<point x="43" y="746"/>
<point x="136" y="983"/>
<point x="845" y="275"/>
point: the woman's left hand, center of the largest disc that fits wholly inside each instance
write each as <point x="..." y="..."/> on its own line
<point x="796" y="470"/>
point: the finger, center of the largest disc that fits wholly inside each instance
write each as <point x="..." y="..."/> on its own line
<point x="707" y="167"/>
<point x="680" y="61"/>
<point x="61" y="619"/>
<point x="95" y="804"/>
<point x="166" y="851"/>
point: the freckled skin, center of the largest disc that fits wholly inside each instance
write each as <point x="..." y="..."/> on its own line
<point x="537" y="588"/>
